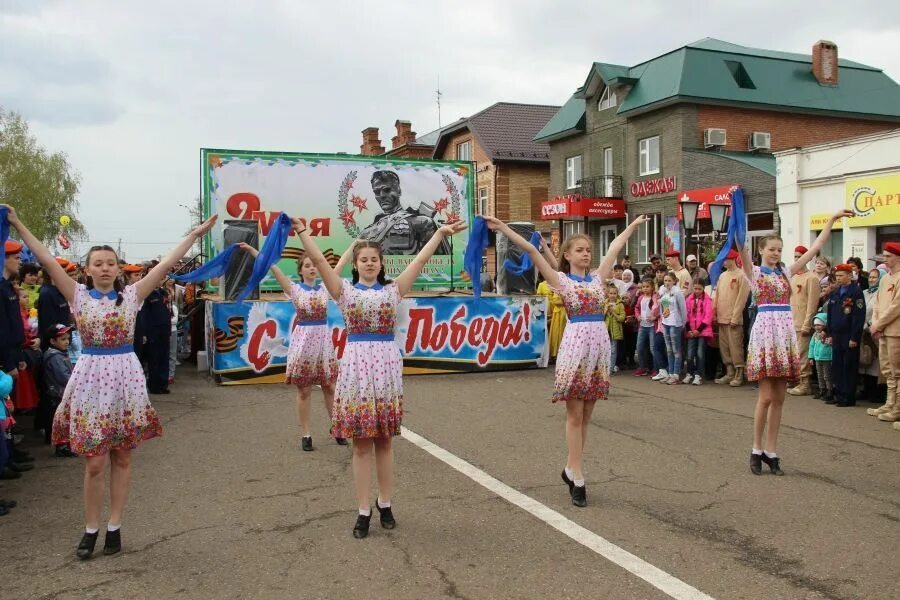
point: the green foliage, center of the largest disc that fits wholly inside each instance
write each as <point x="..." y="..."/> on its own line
<point x="41" y="186"/>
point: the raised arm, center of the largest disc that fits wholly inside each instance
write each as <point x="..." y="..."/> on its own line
<point x="61" y="280"/>
<point x="407" y="278"/>
<point x="547" y="269"/>
<point x="819" y="242"/>
<point x="547" y="253"/>
<point x="157" y="274"/>
<point x="331" y="279"/>
<point x="616" y="246"/>
<point x="747" y="263"/>
<point x="345" y="258"/>
<point x="283" y="280"/>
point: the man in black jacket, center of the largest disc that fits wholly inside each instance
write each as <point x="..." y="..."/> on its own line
<point x="846" y="318"/>
<point x="155" y="328"/>
<point x="12" y="331"/>
<point x="52" y="306"/>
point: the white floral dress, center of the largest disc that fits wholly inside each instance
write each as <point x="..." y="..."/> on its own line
<point x="311" y="358"/>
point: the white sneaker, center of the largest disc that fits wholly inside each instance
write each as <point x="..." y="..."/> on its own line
<point x="663" y="374"/>
<point x="687" y="378"/>
<point x="671" y="380"/>
<point x="697" y="380"/>
<point x="615" y="369"/>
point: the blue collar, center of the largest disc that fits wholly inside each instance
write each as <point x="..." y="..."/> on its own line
<point x="770" y="271"/>
<point x="363" y="287"/>
<point x="314" y="288"/>
<point x="97" y="294"/>
<point x="586" y="279"/>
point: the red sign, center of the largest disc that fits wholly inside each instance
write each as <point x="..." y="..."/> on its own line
<point x="650" y="187"/>
<point x="706" y="196"/>
<point x="576" y="206"/>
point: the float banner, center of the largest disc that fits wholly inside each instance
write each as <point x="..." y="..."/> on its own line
<point x="438" y="334"/>
<point x="397" y="203"/>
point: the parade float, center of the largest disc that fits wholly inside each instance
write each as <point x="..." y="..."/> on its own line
<point x="442" y="327"/>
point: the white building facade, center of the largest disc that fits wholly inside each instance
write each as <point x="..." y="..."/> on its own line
<point x="861" y="174"/>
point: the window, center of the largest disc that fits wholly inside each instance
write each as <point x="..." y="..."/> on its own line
<point x="464" y="151"/>
<point x="648" y="238"/>
<point x="741" y="77"/>
<point x="482" y="206"/>
<point x="573" y="171"/>
<point x="648" y="153"/>
<point x="608" y="99"/>
<point x="571" y="228"/>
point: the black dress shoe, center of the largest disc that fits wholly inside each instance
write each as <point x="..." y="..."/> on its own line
<point x="86" y="546"/>
<point x="3" y="511"/>
<point x="756" y="464"/>
<point x="817" y="395"/>
<point x="361" y="529"/>
<point x="567" y="481"/>
<point x="843" y="404"/>
<point x="8" y="503"/>
<point x="306" y="444"/>
<point x="113" y="542"/>
<point x="832" y="400"/>
<point x="10" y="474"/>
<point x="387" y="517"/>
<point x="579" y="495"/>
<point x="159" y="391"/>
<point x="63" y="451"/>
<point x="20" y="456"/>
<point x="341" y="441"/>
<point x="774" y="464"/>
<point x="20" y="467"/>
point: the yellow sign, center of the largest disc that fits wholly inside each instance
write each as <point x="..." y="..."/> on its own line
<point x="875" y="200"/>
<point x="818" y="222"/>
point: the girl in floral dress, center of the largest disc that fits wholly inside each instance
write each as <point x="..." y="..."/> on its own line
<point x="773" y="357"/>
<point x="105" y="411"/>
<point x="368" y="405"/>
<point x="583" y="362"/>
<point x="311" y="358"/>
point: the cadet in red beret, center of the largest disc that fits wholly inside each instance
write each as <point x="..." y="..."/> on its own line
<point x="805" y="292"/>
<point x="885" y="328"/>
<point x="846" y="320"/>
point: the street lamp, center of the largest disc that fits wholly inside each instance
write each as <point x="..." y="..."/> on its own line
<point x="717" y="214"/>
<point x="689" y="210"/>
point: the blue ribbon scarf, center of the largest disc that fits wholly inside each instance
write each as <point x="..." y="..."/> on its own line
<point x="269" y="254"/>
<point x="737" y="235"/>
<point x="525" y="265"/>
<point x="211" y="269"/>
<point x="478" y="242"/>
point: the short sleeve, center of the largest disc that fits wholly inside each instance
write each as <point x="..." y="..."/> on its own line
<point x="78" y="300"/>
<point x="752" y="280"/>
<point x="347" y="292"/>
<point x="394" y="291"/>
<point x="295" y="292"/>
<point x="565" y="284"/>
<point x="130" y="298"/>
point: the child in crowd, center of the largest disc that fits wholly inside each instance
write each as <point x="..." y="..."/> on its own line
<point x="646" y="313"/>
<point x="820" y="356"/>
<point x="57" y="370"/>
<point x="614" y="309"/>
<point x="699" y="332"/>
<point x="674" y="317"/>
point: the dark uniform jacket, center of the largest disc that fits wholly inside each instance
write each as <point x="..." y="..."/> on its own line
<point x="12" y="331"/>
<point x="405" y="231"/>
<point x="52" y="309"/>
<point x="847" y="312"/>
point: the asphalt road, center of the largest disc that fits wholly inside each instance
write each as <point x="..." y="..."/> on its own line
<point x="225" y="505"/>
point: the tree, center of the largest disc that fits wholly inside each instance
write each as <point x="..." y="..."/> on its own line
<point x="42" y="186"/>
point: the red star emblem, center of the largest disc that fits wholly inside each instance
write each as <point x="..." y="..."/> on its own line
<point x="359" y="202"/>
<point x="441" y="205"/>
<point x="452" y="217"/>
<point x="347" y="217"/>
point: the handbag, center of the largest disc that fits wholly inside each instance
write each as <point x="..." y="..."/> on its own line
<point x="867" y="351"/>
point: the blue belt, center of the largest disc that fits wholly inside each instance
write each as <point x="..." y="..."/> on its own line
<point x="586" y="318"/>
<point x="370" y="337"/>
<point x="311" y="323"/>
<point x="96" y="350"/>
<point x="774" y="307"/>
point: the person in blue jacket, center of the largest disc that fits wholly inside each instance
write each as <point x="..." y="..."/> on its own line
<point x="846" y="319"/>
<point x="53" y="308"/>
<point x="155" y="327"/>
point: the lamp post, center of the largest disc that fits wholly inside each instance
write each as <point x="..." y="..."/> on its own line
<point x="689" y="210"/>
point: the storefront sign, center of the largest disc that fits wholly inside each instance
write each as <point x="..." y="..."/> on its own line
<point x="706" y="196"/>
<point x="650" y="187"/>
<point x="452" y="333"/>
<point x="817" y="222"/>
<point x="575" y="206"/>
<point x="875" y="200"/>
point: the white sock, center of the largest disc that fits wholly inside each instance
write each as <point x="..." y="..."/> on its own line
<point x="112" y="527"/>
<point x="579" y="483"/>
<point x="771" y="454"/>
<point x="757" y="451"/>
<point x="91" y="530"/>
<point x="383" y="504"/>
<point x="365" y="512"/>
<point x="570" y="473"/>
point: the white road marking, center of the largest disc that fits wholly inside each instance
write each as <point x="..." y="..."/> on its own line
<point x="668" y="584"/>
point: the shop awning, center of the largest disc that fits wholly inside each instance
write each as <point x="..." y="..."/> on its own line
<point x="575" y="206"/>
<point x="706" y="196"/>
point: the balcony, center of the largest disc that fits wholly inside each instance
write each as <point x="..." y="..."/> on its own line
<point x="601" y="186"/>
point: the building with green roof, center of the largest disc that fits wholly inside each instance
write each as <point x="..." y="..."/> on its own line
<point x="706" y="115"/>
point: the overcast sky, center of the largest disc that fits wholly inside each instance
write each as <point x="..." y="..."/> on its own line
<point x="132" y="90"/>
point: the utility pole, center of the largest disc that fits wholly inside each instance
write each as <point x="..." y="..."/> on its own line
<point x="439" y="94"/>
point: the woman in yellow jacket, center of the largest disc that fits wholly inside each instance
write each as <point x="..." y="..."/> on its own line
<point x="556" y="317"/>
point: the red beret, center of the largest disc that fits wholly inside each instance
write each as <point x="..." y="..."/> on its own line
<point x="892" y="247"/>
<point x="801" y="249"/>
<point x="62" y="262"/>
<point x="733" y="255"/>
<point x="71" y="267"/>
<point x="673" y="253"/>
<point x="844" y="267"/>
<point x="132" y="268"/>
<point x="11" y="247"/>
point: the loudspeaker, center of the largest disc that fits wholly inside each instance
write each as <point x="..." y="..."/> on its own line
<point x="241" y="264"/>
<point x="507" y="283"/>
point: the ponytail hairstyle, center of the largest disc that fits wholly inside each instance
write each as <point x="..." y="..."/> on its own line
<point x="382" y="278"/>
<point x="117" y="281"/>
<point x="761" y="245"/>
<point x="652" y="282"/>
<point x="564" y="265"/>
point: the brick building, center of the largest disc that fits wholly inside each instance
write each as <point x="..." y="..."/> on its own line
<point x="403" y="145"/>
<point x="694" y="122"/>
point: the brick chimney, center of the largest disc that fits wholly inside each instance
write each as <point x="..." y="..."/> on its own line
<point x="405" y="134"/>
<point x="371" y="145"/>
<point x="825" y="62"/>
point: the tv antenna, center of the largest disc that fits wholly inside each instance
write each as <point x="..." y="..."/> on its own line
<point x="439" y="94"/>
